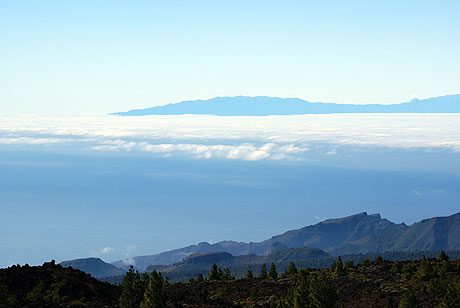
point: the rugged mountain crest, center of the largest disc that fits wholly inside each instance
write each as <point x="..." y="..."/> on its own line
<point x="439" y="233"/>
<point x="324" y="235"/>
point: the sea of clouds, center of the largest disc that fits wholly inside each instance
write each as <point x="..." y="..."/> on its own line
<point x="241" y="138"/>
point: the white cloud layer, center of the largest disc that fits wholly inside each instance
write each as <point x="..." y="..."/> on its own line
<point x="244" y="138"/>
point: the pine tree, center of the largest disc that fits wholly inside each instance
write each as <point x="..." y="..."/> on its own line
<point x="199" y="278"/>
<point x="153" y="296"/>
<point x="425" y="271"/>
<point x="443" y="257"/>
<point x="378" y="260"/>
<point x="214" y="273"/>
<point x="263" y="272"/>
<point x="291" y="271"/>
<point x="300" y="296"/>
<point x="227" y="275"/>
<point x="128" y="293"/>
<point x="144" y="282"/>
<point x="273" y="274"/>
<point x="338" y="267"/>
<point x="220" y="273"/>
<point x="322" y="295"/>
<point x="139" y="285"/>
<point x="249" y="275"/>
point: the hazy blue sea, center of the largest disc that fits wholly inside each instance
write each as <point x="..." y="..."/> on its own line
<point x="72" y="186"/>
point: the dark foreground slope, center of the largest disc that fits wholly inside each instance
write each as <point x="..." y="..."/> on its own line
<point x="52" y="285"/>
<point x="428" y="283"/>
<point x="422" y="283"/>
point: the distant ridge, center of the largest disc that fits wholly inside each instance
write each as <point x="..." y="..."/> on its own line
<point x="264" y="105"/>
<point x="325" y="235"/>
<point x="94" y="266"/>
<point x="355" y="234"/>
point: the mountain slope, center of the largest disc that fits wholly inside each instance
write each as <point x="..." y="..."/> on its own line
<point x="439" y="233"/>
<point x="94" y="266"/>
<point x="324" y="235"/>
<point x="263" y="105"/>
<point x="201" y="263"/>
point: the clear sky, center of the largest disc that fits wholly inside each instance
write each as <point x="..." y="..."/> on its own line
<point x="96" y="57"/>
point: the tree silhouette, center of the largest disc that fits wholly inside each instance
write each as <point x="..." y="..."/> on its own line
<point x="153" y="296"/>
<point x="273" y="274"/>
<point x="214" y="273"/>
<point x="128" y="297"/>
<point x="263" y="272"/>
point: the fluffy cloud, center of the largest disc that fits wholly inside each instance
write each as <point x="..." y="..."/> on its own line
<point x="243" y="151"/>
<point x="106" y="250"/>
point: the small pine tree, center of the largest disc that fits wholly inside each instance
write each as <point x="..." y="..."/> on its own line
<point x="338" y="267"/>
<point x="263" y="272"/>
<point x="378" y="260"/>
<point x="191" y="280"/>
<point x="273" y="274"/>
<point x="153" y="296"/>
<point x="291" y="271"/>
<point x="425" y="271"/>
<point x="214" y="273"/>
<point x="144" y="281"/>
<point x="128" y="286"/>
<point x="249" y="275"/>
<point x="443" y="257"/>
<point x="166" y="282"/>
<point x="199" y="278"/>
<point x="227" y="275"/>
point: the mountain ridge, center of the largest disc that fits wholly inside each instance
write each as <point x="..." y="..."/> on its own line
<point x="322" y="235"/>
<point x="265" y="105"/>
<point x="356" y="234"/>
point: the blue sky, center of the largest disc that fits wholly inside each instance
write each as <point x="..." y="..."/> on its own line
<point x="96" y="57"/>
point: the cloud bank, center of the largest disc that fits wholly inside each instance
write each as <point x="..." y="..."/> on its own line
<point x="241" y="138"/>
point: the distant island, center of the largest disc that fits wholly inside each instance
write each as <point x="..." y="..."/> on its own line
<point x="264" y="105"/>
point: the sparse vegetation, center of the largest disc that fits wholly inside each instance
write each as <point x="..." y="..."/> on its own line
<point x="428" y="282"/>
